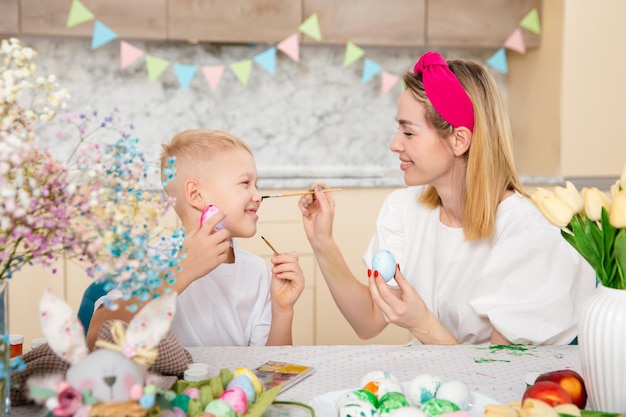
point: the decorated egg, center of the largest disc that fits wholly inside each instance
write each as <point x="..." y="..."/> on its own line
<point x="407" y="412"/>
<point x="219" y="408"/>
<point x="207" y="213"/>
<point x="357" y="408"/>
<point x="456" y="392"/>
<point x="258" y="387"/>
<point x="438" y="406"/>
<point x="245" y="384"/>
<point x="236" y="397"/>
<point x="423" y="388"/>
<point x="391" y="401"/>
<point x="377" y="375"/>
<point x="385" y="263"/>
<point x="387" y="385"/>
<point x="359" y="394"/>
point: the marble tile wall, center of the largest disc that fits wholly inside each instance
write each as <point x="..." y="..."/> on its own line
<point x="313" y="119"/>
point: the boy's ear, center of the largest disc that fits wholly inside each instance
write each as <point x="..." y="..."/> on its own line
<point x="193" y="194"/>
<point x="462" y="140"/>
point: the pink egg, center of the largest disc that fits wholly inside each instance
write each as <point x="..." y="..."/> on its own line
<point x="136" y="391"/>
<point x="236" y="398"/>
<point x="192" y="392"/>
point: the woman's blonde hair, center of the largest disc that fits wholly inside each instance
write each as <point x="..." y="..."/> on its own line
<point x="490" y="167"/>
<point x="196" y="147"/>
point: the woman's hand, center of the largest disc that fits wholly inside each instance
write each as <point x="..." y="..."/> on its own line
<point x="317" y="215"/>
<point x="405" y="308"/>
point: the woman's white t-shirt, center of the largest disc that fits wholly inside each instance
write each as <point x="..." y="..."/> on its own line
<point x="526" y="281"/>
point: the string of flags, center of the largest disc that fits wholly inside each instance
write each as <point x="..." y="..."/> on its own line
<point x="155" y="66"/>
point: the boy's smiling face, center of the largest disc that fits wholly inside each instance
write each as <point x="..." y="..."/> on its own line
<point x="228" y="181"/>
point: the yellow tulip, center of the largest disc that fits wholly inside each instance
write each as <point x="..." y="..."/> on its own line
<point x="615" y="189"/>
<point x="594" y="201"/>
<point x="557" y="211"/>
<point x="617" y="213"/>
<point x="571" y="196"/>
<point x="622" y="178"/>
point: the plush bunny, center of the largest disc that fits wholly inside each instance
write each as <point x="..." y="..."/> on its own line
<point x="117" y="371"/>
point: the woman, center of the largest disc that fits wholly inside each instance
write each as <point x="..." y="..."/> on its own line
<point x="477" y="262"/>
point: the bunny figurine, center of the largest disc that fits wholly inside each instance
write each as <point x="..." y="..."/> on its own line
<point x="116" y="372"/>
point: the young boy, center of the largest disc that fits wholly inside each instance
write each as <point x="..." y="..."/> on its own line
<point x="226" y="296"/>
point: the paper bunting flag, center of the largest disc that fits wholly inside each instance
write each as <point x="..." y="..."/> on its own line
<point x="242" y="70"/>
<point x="388" y="81"/>
<point x="311" y="28"/>
<point x="531" y="22"/>
<point x="101" y="35"/>
<point x="267" y="59"/>
<point x="78" y="14"/>
<point x="353" y="53"/>
<point x="213" y="73"/>
<point x="498" y="61"/>
<point x="290" y="47"/>
<point x="370" y="69"/>
<point x="185" y="73"/>
<point x="128" y="54"/>
<point x="515" y="42"/>
<point x="155" y="66"/>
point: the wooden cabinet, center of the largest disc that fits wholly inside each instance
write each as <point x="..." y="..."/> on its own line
<point x="404" y="23"/>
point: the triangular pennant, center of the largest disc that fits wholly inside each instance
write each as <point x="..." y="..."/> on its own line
<point x="185" y="73"/>
<point x="370" y="69"/>
<point x="516" y="42"/>
<point x="155" y="66"/>
<point x="388" y="81"/>
<point x="213" y="73"/>
<point x="128" y="54"/>
<point x="531" y="22"/>
<point x="290" y="47"/>
<point x="267" y="59"/>
<point x="353" y="53"/>
<point x="498" y="61"/>
<point x="101" y="35"/>
<point x="311" y="28"/>
<point x="242" y="70"/>
<point x="78" y="14"/>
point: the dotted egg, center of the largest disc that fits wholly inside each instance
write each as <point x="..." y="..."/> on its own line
<point x="385" y="263"/>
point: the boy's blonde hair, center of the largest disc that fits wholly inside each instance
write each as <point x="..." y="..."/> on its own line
<point x="194" y="148"/>
<point x="490" y="167"/>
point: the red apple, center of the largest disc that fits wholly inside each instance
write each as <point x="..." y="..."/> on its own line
<point x="549" y="392"/>
<point x="571" y="381"/>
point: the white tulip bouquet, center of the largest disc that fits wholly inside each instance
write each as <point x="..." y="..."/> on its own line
<point x="593" y="223"/>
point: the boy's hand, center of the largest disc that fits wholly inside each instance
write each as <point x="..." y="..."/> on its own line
<point x="287" y="280"/>
<point x="204" y="251"/>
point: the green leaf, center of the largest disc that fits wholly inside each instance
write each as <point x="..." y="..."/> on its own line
<point x="619" y="251"/>
<point x="39" y="392"/>
<point x="587" y="247"/>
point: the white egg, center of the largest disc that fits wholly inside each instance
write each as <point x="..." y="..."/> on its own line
<point x="456" y="392"/>
<point x="407" y="412"/>
<point x="387" y="385"/>
<point x="356" y="408"/>
<point x="423" y="388"/>
<point x="385" y="263"/>
<point x="377" y="375"/>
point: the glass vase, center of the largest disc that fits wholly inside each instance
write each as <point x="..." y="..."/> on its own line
<point x="5" y="350"/>
<point x="602" y="341"/>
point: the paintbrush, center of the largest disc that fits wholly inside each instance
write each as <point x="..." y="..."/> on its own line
<point x="270" y="245"/>
<point x="327" y="190"/>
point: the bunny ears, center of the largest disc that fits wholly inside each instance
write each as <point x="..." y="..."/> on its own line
<point x="66" y="337"/>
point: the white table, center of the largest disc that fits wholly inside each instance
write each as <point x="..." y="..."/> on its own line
<point x="495" y="373"/>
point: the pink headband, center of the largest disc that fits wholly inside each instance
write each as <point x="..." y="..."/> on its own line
<point x="444" y="90"/>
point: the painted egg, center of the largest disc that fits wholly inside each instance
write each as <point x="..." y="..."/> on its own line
<point x="219" y="408"/>
<point x="236" y="397"/>
<point x="357" y="408"/>
<point x="457" y="392"/>
<point x="207" y="213"/>
<point x="244" y="383"/>
<point x="387" y="385"/>
<point x="438" y="406"/>
<point x="423" y="388"/>
<point x="385" y="263"/>
<point x="377" y="375"/>
<point x="359" y="394"/>
<point x="372" y="387"/>
<point x="390" y="402"/>
<point x="407" y="412"/>
<point x="258" y="387"/>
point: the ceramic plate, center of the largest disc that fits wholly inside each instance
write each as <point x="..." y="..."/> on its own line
<point x="325" y="405"/>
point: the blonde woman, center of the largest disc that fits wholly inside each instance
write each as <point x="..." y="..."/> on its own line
<point x="476" y="261"/>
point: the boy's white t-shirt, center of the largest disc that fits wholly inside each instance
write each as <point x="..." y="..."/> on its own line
<point x="230" y="306"/>
<point x="526" y="281"/>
